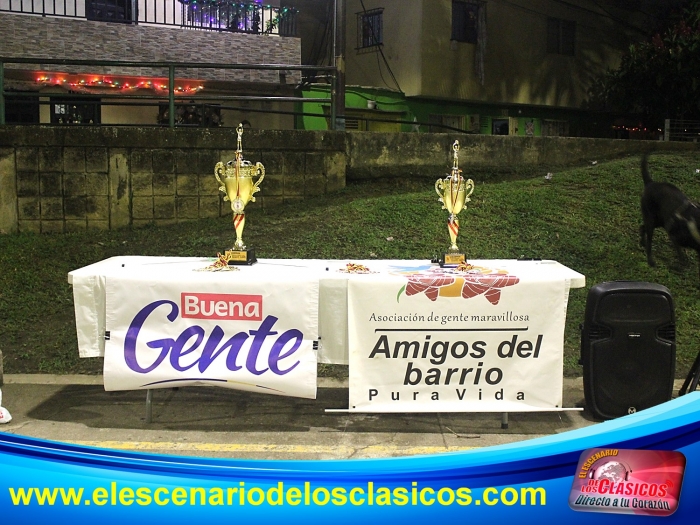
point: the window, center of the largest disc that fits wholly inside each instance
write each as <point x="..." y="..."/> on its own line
<point x="555" y="128"/>
<point x="109" y="10"/>
<point x="370" y="29"/>
<point x="465" y="20"/>
<point x="79" y="110"/>
<point x="21" y="109"/>
<point x="561" y="35"/>
<point x="500" y="126"/>
<point x="191" y="114"/>
<point x="445" y="123"/>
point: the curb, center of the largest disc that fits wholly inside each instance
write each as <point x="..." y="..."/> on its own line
<point x="82" y="379"/>
<point x="323" y="382"/>
<point x="53" y="379"/>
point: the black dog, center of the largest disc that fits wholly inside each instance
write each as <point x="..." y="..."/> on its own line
<point x="666" y="206"/>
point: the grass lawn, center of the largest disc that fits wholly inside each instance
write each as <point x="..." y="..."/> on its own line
<point x="586" y="218"/>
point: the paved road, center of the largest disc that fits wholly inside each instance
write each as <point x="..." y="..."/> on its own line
<point x="215" y="422"/>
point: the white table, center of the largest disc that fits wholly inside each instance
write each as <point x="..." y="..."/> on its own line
<point x="89" y="291"/>
<point x="336" y="344"/>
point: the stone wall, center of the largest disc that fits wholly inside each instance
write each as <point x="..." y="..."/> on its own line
<point x="60" y="179"/>
<point x="68" y="179"/>
<point x="26" y="36"/>
<point x="376" y="155"/>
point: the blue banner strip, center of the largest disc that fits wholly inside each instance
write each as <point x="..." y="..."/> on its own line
<point x="528" y="481"/>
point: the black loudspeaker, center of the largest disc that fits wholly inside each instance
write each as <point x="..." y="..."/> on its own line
<point x="628" y="347"/>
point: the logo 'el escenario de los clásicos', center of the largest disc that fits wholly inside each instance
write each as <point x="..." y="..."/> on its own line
<point x="641" y="482"/>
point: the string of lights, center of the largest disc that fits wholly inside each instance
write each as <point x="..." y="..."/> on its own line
<point x="635" y="128"/>
<point x="110" y="82"/>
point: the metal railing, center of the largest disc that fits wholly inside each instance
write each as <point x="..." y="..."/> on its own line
<point x="137" y="99"/>
<point x="682" y="130"/>
<point x="210" y="15"/>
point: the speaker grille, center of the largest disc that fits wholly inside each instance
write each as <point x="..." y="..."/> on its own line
<point x="628" y="348"/>
<point x="625" y="307"/>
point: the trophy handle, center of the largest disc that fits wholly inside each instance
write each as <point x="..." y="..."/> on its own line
<point x="260" y="171"/>
<point x="438" y="188"/>
<point x="218" y="171"/>
<point x="468" y="190"/>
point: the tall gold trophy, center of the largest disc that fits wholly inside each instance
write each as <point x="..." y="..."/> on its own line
<point x="454" y="192"/>
<point x="236" y="181"/>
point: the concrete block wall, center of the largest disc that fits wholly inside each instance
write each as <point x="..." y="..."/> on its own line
<point x="377" y="155"/>
<point x="71" y="179"/>
<point x="62" y="179"/>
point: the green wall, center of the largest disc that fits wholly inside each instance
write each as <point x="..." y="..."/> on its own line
<point x="412" y="109"/>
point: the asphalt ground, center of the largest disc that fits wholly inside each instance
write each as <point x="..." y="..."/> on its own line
<point x="217" y="422"/>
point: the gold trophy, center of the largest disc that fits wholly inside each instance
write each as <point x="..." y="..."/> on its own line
<point x="454" y="192"/>
<point x="236" y="181"/>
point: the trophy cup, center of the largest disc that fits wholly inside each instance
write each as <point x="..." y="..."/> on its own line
<point x="236" y="181"/>
<point x="454" y="192"/>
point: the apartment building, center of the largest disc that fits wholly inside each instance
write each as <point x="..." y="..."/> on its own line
<point x="143" y="36"/>
<point x="503" y="67"/>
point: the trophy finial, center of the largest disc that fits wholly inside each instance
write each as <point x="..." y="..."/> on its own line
<point x="455" y="163"/>
<point x="239" y="130"/>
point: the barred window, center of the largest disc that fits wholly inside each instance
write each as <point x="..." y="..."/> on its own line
<point x="370" y="28"/>
<point x="555" y="128"/>
<point x="441" y="123"/>
<point x="78" y="110"/>
<point x="561" y="35"/>
<point x="109" y="10"/>
<point x="21" y="109"/>
<point x="465" y="20"/>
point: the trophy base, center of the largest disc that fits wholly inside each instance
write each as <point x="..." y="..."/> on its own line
<point x="241" y="257"/>
<point x="451" y="260"/>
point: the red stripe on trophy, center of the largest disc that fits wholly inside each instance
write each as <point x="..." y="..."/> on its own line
<point x="454" y="227"/>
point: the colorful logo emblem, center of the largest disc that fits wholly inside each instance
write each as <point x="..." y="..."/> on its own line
<point x="641" y="482"/>
<point x="465" y="281"/>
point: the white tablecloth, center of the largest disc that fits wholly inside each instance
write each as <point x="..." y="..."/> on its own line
<point x="89" y="286"/>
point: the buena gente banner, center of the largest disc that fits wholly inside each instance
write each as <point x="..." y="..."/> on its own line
<point x="254" y="335"/>
<point x="430" y="339"/>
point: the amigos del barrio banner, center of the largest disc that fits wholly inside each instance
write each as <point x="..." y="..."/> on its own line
<point x="477" y="338"/>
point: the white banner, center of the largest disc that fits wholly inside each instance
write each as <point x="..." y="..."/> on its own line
<point x="428" y="339"/>
<point x="222" y="329"/>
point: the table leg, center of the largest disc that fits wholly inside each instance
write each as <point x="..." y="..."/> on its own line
<point x="149" y="406"/>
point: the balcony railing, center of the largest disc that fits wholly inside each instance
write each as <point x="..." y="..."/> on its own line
<point x="165" y="100"/>
<point x="211" y="15"/>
